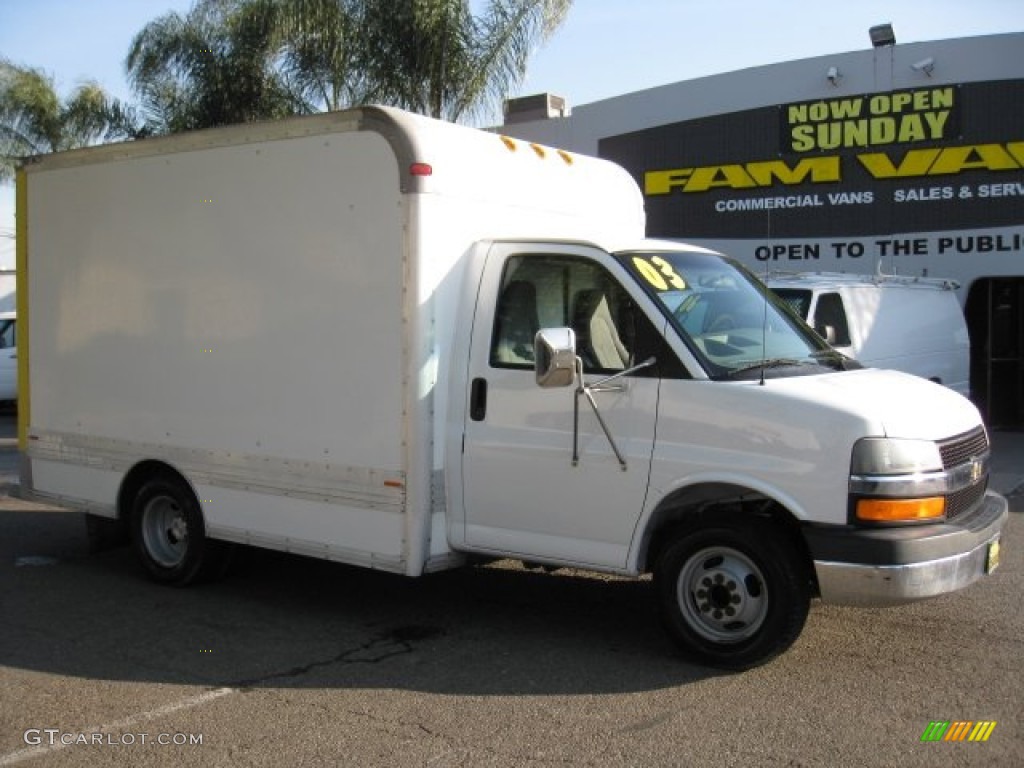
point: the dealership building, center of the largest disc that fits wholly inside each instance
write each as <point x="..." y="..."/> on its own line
<point x="903" y="159"/>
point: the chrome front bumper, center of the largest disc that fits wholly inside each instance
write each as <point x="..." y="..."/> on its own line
<point x="911" y="577"/>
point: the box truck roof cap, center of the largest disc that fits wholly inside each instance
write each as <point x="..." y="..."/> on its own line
<point x="434" y="156"/>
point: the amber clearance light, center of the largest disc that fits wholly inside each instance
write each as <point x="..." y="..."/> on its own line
<point x="900" y="510"/>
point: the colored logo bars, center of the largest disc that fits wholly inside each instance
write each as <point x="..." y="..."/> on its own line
<point x="958" y="730"/>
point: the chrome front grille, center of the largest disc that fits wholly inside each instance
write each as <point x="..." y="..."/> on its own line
<point x="956" y="452"/>
<point x="962" y="448"/>
<point x="961" y="501"/>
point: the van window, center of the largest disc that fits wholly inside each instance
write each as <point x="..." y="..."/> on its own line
<point x="830" y="312"/>
<point x="8" y="338"/>
<point x="798" y="299"/>
<point x="557" y="291"/>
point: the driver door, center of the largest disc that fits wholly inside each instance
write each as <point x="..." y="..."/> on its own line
<point x="523" y="496"/>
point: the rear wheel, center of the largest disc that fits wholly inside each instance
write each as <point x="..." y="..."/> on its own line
<point x="169" y="534"/>
<point x="733" y="590"/>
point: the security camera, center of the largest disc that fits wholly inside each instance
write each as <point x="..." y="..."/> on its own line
<point x="833" y="75"/>
<point x="924" y="65"/>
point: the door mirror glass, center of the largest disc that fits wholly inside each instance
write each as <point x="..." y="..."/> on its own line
<point x="554" y="353"/>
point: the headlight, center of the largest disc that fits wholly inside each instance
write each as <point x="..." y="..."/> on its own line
<point x="897" y="481"/>
<point x="889" y="456"/>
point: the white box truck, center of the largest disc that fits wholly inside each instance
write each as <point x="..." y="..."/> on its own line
<point x="911" y="324"/>
<point x="384" y="340"/>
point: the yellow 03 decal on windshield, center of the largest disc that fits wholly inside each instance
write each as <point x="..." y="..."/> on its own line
<point x="659" y="273"/>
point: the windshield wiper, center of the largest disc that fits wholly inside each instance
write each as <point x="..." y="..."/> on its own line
<point x="835" y="359"/>
<point x="772" y="362"/>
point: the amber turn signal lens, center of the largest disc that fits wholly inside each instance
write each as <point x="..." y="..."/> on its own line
<point x="900" y="510"/>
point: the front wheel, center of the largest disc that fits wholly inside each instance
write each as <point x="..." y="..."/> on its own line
<point x="169" y="535"/>
<point x="732" y="590"/>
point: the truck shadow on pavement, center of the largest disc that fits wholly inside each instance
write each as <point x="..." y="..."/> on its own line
<point x="283" y="621"/>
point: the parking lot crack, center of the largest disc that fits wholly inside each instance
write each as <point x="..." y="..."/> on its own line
<point x="382" y="647"/>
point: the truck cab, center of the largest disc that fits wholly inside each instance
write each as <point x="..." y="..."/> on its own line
<point x="673" y="416"/>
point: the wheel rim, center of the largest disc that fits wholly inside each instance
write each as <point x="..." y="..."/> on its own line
<point x="165" y="531"/>
<point x="722" y="595"/>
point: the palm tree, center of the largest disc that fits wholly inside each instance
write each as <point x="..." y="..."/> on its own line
<point x="437" y="58"/>
<point x="230" y="61"/>
<point x="322" y="48"/>
<point x="429" y="56"/>
<point x="34" y="120"/>
<point x="214" y="66"/>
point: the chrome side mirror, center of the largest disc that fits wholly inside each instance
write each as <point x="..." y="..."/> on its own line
<point x="554" y="354"/>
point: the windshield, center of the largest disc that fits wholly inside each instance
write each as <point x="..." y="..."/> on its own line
<point x="726" y="317"/>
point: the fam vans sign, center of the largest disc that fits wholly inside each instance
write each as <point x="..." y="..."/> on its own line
<point x="948" y="157"/>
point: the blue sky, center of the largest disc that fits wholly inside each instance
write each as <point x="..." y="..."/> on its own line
<point x="605" y="48"/>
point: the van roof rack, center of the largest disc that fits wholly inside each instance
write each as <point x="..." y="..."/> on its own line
<point x="878" y="278"/>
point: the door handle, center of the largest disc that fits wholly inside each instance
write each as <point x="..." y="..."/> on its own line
<point x="478" y="399"/>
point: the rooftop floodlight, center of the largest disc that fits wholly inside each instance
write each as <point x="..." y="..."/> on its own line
<point x="882" y="35"/>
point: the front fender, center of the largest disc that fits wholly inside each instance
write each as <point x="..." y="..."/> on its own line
<point x="667" y="505"/>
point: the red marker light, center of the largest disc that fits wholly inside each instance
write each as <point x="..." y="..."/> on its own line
<point x="421" y="169"/>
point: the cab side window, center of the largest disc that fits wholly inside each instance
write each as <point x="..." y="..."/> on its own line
<point x="830" y="313"/>
<point x="554" y="291"/>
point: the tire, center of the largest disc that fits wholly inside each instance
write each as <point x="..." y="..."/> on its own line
<point x="169" y="535"/>
<point x="732" y="589"/>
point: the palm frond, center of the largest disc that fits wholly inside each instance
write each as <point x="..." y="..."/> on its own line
<point x="511" y="31"/>
<point x="34" y="120"/>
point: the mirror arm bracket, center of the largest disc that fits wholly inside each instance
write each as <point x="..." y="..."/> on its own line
<point x="588" y="391"/>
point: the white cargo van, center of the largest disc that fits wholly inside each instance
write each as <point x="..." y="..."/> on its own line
<point x="475" y="355"/>
<point x="8" y="357"/>
<point x="911" y="324"/>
